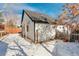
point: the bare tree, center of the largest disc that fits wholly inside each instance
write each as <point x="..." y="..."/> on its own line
<point x="10" y="15"/>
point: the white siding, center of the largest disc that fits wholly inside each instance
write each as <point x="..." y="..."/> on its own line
<point x="45" y="32"/>
<point x="30" y="24"/>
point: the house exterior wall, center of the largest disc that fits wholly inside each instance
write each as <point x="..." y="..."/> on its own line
<point x="44" y="32"/>
<point x="23" y="28"/>
<point x="28" y="22"/>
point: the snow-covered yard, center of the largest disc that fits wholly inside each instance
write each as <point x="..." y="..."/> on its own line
<point x="60" y="48"/>
<point x="15" y="45"/>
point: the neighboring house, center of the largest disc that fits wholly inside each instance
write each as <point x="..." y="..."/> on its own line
<point x="1" y="27"/>
<point x="12" y="30"/>
<point x="11" y="27"/>
<point x="4" y="27"/>
<point x="35" y="26"/>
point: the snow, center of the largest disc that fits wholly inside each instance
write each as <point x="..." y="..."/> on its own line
<point x="60" y="48"/>
<point x="45" y="31"/>
<point x="63" y="29"/>
<point x="67" y="49"/>
<point x="3" y="47"/>
<point x="18" y="46"/>
<point x="15" y="45"/>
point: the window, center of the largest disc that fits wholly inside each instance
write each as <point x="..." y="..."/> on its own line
<point x="27" y="28"/>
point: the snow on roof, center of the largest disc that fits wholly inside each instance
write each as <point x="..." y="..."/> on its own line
<point x="38" y="17"/>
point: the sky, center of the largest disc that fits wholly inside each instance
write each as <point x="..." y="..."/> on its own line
<point x="51" y="9"/>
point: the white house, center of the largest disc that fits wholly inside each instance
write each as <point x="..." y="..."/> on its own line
<point x="35" y="26"/>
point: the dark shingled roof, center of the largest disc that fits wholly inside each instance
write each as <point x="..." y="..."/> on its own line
<point x="38" y="17"/>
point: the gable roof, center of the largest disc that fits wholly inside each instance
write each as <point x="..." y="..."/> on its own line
<point x="37" y="17"/>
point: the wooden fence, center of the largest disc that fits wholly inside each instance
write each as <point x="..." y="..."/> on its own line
<point x="74" y="38"/>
